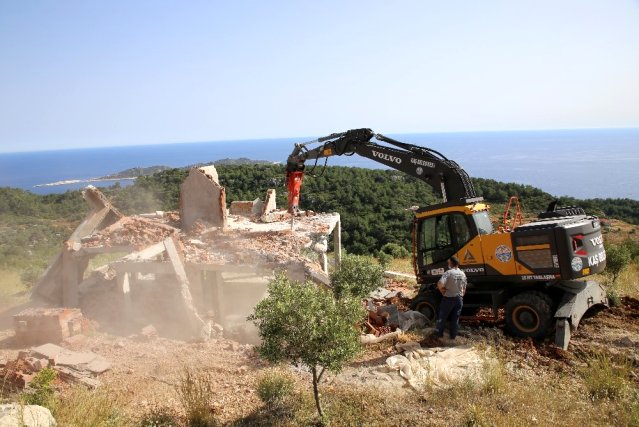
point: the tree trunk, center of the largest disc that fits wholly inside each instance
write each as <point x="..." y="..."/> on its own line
<point x="316" y="394"/>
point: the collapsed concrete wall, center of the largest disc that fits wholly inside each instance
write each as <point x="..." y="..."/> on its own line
<point x="202" y="198"/>
<point x="185" y="281"/>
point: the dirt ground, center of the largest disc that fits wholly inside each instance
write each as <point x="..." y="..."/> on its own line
<point x="145" y="371"/>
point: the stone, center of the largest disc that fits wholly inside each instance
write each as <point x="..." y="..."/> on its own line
<point x="15" y="415"/>
<point x="202" y="198"/>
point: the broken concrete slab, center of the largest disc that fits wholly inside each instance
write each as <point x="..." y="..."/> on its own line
<point x="79" y="361"/>
<point x="59" y="284"/>
<point x="269" y="208"/>
<point x="202" y="198"/>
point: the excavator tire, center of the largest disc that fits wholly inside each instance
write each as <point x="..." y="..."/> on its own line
<point x="427" y="303"/>
<point x="529" y="314"/>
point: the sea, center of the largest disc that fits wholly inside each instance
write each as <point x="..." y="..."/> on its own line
<point x="584" y="163"/>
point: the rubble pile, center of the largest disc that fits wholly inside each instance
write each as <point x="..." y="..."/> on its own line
<point x="71" y="366"/>
<point x="183" y="270"/>
<point x="136" y="232"/>
<point x="388" y="312"/>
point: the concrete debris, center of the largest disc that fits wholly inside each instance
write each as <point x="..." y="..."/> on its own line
<point x="71" y="366"/>
<point x="411" y="320"/>
<point x="202" y="198"/>
<point x="269" y="208"/>
<point x="149" y="332"/>
<point x="35" y="326"/>
<point x="175" y="267"/>
<point x="17" y="415"/>
<point x="372" y="339"/>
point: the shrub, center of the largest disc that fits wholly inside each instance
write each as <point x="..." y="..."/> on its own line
<point x="613" y="297"/>
<point x="395" y="250"/>
<point x="40" y="390"/>
<point x="384" y="259"/>
<point x="357" y="277"/>
<point x="195" y="390"/>
<point x="274" y="387"/>
<point x="604" y="379"/>
<point x="617" y="258"/>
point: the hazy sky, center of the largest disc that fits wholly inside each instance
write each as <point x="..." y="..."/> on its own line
<point x="99" y="73"/>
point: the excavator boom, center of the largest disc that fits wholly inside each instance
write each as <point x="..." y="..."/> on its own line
<point x="446" y="177"/>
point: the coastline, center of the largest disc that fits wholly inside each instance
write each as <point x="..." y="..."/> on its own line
<point x="82" y="181"/>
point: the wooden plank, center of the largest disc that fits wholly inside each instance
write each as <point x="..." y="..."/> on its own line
<point x="337" y="244"/>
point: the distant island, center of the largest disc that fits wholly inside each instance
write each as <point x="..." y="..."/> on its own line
<point x="133" y="173"/>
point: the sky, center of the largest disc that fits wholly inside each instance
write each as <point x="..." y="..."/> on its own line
<point x="105" y="73"/>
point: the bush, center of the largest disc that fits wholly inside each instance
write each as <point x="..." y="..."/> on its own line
<point x="604" y="379"/>
<point x="613" y="297"/>
<point x="617" y="258"/>
<point x="40" y="390"/>
<point x="195" y="391"/>
<point x="395" y="250"/>
<point x="357" y="277"/>
<point x="384" y="259"/>
<point x="274" y="387"/>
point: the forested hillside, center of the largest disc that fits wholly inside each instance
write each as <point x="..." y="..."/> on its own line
<point x="373" y="203"/>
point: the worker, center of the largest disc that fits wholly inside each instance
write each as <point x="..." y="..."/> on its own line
<point x="452" y="285"/>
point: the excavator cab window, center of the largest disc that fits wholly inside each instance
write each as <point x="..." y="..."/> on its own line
<point x="483" y="223"/>
<point x="443" y="235"/>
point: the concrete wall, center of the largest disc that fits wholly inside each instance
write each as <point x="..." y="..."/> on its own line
<point x="202" y="198"/>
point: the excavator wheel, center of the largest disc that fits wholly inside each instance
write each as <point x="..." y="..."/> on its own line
<point x="529" y="314"/>
<point x="427" y="303"/>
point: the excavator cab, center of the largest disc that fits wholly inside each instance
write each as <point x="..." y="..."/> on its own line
<point x="443" y="231"/>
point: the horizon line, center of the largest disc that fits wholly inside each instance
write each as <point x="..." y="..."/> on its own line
<point x="306" y="138"/>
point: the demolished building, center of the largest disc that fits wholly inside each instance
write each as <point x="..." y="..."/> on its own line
<point x="187" y="271"/>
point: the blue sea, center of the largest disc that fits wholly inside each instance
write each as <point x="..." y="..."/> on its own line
<point x="580" y="163"/>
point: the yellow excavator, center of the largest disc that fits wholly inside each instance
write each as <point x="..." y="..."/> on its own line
<point x="534" y="271"/>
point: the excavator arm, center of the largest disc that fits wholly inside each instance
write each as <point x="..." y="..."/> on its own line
<point x="449" y="180"/>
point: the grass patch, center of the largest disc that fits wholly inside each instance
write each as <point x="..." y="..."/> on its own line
<point x="274" y="387"/>
<point x="195" y="391"/>
<point x="606" y="378"/>
<point x="80" y="407"/>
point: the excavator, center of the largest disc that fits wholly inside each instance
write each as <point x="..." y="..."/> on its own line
<point x="533" y="271"/>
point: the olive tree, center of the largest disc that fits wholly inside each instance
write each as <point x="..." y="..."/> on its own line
<point x="302" y="323"/>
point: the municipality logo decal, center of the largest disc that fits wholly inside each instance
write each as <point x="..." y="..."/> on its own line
<point x="503" y="253"/>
